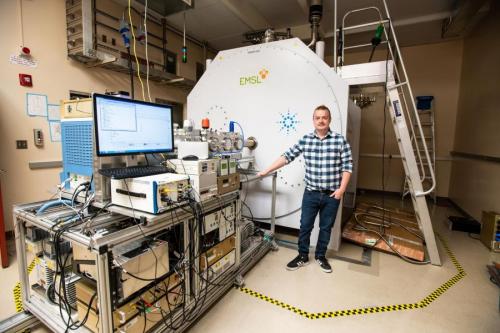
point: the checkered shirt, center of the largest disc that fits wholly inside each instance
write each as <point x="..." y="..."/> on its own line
<point x="326" y="159"/>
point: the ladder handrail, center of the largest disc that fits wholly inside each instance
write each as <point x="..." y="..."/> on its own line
<point x="424" y="144"/>
<point x="413" y="137"/>
<point x="396" y="71"/>
<point x="402" y="82"/>
<point x="406" y="108"/>
<point x="358" y="26"/>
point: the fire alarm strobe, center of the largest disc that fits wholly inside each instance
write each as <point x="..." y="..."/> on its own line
<point x="25" y="80"/>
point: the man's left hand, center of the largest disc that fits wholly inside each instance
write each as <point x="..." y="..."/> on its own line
<point x="337" y="194"/>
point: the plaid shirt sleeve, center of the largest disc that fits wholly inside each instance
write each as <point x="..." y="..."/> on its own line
<point x="294" y="151"/>
<point x="346" y="157"/>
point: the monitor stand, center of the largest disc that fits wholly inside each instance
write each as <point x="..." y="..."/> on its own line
<point x="131" y="160"/>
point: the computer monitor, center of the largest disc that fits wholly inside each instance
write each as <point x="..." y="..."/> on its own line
<point x="125" y="127"/>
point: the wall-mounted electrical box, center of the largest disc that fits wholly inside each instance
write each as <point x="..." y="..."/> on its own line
<point x="21" y="144"/>
<point x="38" y="137"/>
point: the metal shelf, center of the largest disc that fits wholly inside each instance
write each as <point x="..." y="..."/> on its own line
<point x="38" y="306"/>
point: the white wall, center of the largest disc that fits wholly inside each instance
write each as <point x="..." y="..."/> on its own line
<point x="475" y="184"/>
<point x="44" y="24"/>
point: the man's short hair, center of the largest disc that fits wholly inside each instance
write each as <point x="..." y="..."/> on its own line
<point x="323" y="107"/>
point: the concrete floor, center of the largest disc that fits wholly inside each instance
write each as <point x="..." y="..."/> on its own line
<point x="471" y="305"/>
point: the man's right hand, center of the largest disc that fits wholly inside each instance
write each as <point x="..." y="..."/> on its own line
<point x="262" y="174"/>
<point x="281" y="161"/>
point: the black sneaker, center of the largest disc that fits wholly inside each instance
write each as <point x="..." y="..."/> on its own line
<point x="299" y="261"/>
<point x="323" y="263"/>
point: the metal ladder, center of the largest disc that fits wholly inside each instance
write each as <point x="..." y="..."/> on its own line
<point x="405" y="120"/>
<point x="427" y="121"/>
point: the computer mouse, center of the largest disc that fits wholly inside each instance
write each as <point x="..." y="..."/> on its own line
<point x="190" y="158"/>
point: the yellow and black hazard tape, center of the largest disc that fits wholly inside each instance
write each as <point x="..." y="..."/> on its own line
<point x="374" y="309"/>
<point x="18" y="295"/>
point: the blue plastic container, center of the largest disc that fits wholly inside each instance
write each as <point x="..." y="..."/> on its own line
<point x="424" y="102"/>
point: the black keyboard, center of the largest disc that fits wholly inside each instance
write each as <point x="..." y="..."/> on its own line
<point x="134" y="172"/>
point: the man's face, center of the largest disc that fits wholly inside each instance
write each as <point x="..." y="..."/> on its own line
<point x="321" y="120"/>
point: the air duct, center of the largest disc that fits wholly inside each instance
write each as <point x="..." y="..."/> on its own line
<point x="467" y="14"/>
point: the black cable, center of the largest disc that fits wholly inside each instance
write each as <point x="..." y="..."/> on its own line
<point x="70" y="324"/>
<point x="63" y="300"/>
<point x="186" y="315"/>
<point x="244" y="197"/>
<point x="200" y="274"/>
<point x="175" y="305"/>
<point x="340" y="48"/>
<point x="201" y="298"/>
<point x="78" y="190"/>
<point x="384" y="124"/>
<point x="145" y="321"/>
<point x="60" y="268"/>
<point x="249" y="210"/>
<point x="131" y="72"/>
<point x="140" y="227"/>
<point x="168" y="304"/>
<point x="197" y="209"/>
<point x="85" y="318"/>
<point x="140" y="278"/>
<point x="89" y="186"/>
<point x="372" y="52"/>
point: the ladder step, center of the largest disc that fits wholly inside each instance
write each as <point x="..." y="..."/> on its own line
<point x="425" y="137"/>
<point x="425" y="159"/>
<point x="395" y="86"/>
<point x="423" y="124"/>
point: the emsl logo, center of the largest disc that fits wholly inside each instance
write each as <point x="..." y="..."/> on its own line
<point x="254" y="79"/>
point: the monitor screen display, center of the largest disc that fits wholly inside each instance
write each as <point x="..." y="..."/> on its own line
<point x="124" y="126"/>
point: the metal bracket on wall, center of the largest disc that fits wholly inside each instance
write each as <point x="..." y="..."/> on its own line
<point x="102" y="59"/>
<point x="45" y="165"/>
<point x="477" y="157"/>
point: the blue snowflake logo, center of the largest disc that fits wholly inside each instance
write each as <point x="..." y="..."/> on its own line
<point x="288" y="122"/>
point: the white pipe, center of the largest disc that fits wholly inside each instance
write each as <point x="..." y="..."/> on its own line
<point x="314" y="33"/>
<point x="320" y="49"/>
<point x="315" y="20"/>
<point x="208" y="62"/>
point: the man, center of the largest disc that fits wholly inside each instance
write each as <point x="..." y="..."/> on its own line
<point x="328" y="161"/>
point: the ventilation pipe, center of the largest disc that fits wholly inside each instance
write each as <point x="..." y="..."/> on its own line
<point x="467" y="14"/>
<point x="315" y="14"/>
<point x="320" y="49"/>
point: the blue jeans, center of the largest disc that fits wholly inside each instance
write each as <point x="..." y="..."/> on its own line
<point x="312" y="203"/>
